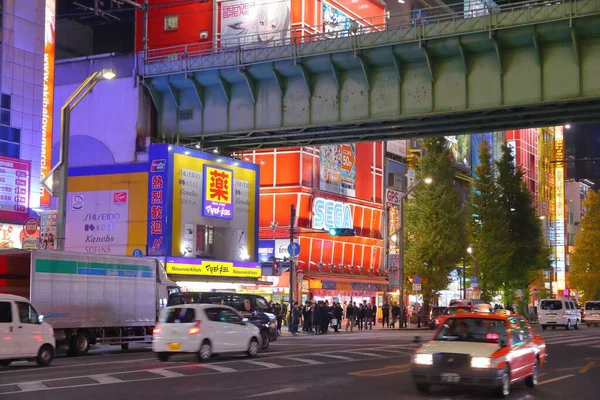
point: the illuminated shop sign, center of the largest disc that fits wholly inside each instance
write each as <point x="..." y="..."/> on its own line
<point x="217" y="196"/>
<point x="330" y="214"/>
<point x="559" y="212"/>
<point x="47" y="97"/>
<point x="198" y="267"/>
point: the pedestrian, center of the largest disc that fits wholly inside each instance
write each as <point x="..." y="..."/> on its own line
<point x="306" y="317"/>
<point x="350" y="317"/>
<point x="338" y="312"/>
<point x="369" y="317"/>
<point x="325" y="317"/>
<point x="385" y="321"/>
<point x="279" y="317"/>
<point x="362" y="312"/>
<point x="396" y="315"/>
<point x="317" y="317"/>
<point x="296" y="313"/>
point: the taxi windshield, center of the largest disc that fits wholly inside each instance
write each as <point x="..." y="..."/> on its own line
<point x="473" y="330"/>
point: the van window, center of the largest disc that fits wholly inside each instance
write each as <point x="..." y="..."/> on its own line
<point x="260" y="304"/>
<point x="183" y="298"/>
<point x="590" y="305"/>
<point x="551" y="305"/>
<point x="177" y="315"/>
<point x="568" y="305"/>
<point x="27" y="314"/>
<point x="5" y="312"/>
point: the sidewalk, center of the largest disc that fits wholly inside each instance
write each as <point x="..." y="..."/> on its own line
<point x="411" y="328"/>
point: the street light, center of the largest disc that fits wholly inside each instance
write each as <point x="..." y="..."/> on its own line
<point x="58" y="176"/>
<point x="400" y="238"/>
<point x="475" y="269"/>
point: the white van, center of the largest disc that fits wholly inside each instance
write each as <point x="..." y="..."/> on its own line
<point x="559" y="312"/>
<point x="23" y="333"/>
<point x="591" y="311"/>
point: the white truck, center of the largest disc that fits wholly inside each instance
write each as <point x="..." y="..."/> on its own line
<point x="89" y="299"/>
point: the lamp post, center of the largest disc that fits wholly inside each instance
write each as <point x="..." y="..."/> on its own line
<point x="61" y="169"/>
<point x="400" y="240"/>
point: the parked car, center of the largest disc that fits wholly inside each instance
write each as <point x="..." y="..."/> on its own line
<point x="559" y="312"/>
<point x="204" y="329"/>
<point x="251" y="306"/>
<point x="484" y="350"/>
<point x="23" y="333"/>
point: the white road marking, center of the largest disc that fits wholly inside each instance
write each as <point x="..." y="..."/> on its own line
<point x="368" y="354"/>
<point x="217" y="368"/>
<point x="338" y="357"/>
<point x="279" y="391"/>
<point x="263" y="364"/>
<point x="304" y="360"/>
<point x="104" y="379"/>
<point x="32" y="386"/>
<point x="166" y="373"/>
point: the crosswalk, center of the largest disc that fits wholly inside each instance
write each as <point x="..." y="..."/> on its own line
<point x="183" y="367"/>
<point x="582" y="338"/>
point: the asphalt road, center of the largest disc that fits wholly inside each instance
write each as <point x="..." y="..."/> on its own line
<point x="359" y="365"/>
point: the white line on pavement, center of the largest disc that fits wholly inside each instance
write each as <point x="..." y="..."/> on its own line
<point x="217" y="368"/>
<point x="166" y="373"/>
<point x="32" y="386"/>
<point x="304" y="360"/>
<point x="104" y="379"/>
<point x="338" y="357"/>
<point x="279" y="391"/>
<point x="263" y="364"/>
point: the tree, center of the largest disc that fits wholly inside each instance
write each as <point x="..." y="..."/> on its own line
<point x="435" y="222"/>
<point x="585" y="261"/>
<point x="529" y="255"/>
<point x="489" y="227"/>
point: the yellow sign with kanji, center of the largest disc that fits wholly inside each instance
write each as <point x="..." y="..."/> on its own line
<point x="218" y="192"/>
<point x="215" y="268"/>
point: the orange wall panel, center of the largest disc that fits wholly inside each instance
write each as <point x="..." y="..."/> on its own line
<point x="327" y="251"/>
<point x="287" y="173"/>
<point x="348" y="253"/>
<point x="265" y="214"/>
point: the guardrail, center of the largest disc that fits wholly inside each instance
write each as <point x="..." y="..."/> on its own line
<point x="418" y="25"/>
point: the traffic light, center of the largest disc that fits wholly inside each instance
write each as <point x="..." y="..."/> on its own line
<point x="275" y="269"/>
<point x="342" y="232"/>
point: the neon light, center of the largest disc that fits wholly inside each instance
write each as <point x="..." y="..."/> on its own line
<point x="330" y="214"/>
<point x="47" y="97"/>
<point x="559" y="211"/>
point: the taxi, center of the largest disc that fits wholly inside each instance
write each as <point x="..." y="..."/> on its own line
<point x="480" y="350"/>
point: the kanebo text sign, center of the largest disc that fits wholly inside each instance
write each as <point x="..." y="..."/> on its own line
<point x="331" y="214"/>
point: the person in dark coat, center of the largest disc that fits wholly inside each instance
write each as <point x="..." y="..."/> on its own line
<point x="317" y="317"/>
<point x="325" y="317"/>
<point x="338" y="312"/>
<point x="396" y="315"/>
<point x="385" y="309"/>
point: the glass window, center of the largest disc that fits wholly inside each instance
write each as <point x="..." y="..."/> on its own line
<point x="229" y="316"/>
<point x="183" y="298"/>
<point x="5" y="101"/>
<point x="551" y="305"/>
<point x="8" y="149"/>
<point x="260" y="304"/>
<point x="5" y="117"/>
<point x="455" y="310"/>
<point x="213" y="314"/>
<point x="473" y="330"/>
<point x="27" y="314"/>
<point x="525" y="329"/>
<point x="5" y="312"/>
<point x="171" y="22"/>
<point x="178" y="315"/>
<point x="592" y="305"/>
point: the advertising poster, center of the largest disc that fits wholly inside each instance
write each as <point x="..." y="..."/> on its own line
<point x="157" y="209"/>
<point x="14" y="189"/>
<point x="476" y="140"/>
<point x="215" y="208"/>
<point x="98" y="222"/>
<point x="48" y="229"/>
<point x="336" y="23"/>
<point x="338" y="169"/>
<point x="459" y="147"/>
<point x="255" y="23"/>
<point x="397" y="147"/>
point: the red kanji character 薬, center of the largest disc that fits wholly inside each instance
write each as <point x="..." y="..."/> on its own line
<point x="219" y="185"/>
<point x="156" y="212"/>
<point x="156" y="227"/>
<point x="157" y="197"/>
<point x="157" y="182"/>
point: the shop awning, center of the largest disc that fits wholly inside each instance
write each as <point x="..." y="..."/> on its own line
<point x="348" y="279"/>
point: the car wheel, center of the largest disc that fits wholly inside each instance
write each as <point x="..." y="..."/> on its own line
<point x="253" y="348"/>
<point x="80" y="345"/>
<point x="576" y="324"/>
<point x="423" y="387"/>
<point x="504" y="389"/>
<point x="568" y="325"/>
<point x="45" y="356"/>
<point x="163" y="356"/>
<point x="205" y="352"/>
<point x="532" y="380"/>
<point x="266" y="339"/>
<point x="544" y="327"/>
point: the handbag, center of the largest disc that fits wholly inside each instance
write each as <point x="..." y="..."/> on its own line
<point x="334" y="322"/>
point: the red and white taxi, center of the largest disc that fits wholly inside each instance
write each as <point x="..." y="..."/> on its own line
<point x="474" y="349"/>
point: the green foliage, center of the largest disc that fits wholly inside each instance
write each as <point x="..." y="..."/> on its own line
<point x="585" y="262"/>
<point x="435" y="238"/>
<point x="489" y="227"/>
<point x="529" y="255"/>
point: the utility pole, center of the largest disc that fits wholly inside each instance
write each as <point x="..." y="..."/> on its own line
<point x="292" y="268"/>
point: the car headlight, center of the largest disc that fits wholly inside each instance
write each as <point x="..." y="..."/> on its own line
<point x="481" y="362"/>
<point x="423" y="359"/>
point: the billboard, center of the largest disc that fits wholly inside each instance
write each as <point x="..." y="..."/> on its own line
<point x="459" y="147"/>
<point x="559" y="212"/>
<point x="336" y="23"/>
<point x="14" y="189"/>
<point x="397" y="147"/>
<point x="221" y="268"/>
<point x="338" y="169"/>
<point x="476" y="140"/>
<point x="214" y="207"/>
<point x="48" y="229"/>
<point x="47" y="97"/>
<point x="158" y="178"/>
<point x="256" y="23"/>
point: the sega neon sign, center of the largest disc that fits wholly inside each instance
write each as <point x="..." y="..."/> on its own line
<point x="331" y="214"/>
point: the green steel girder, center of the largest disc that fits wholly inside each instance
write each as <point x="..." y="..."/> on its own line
<point x="397" y="64"/>
<point x="279" y="82"/>
<point x="463" y="56"/>
<point x="366" y="70"/>
<point x="307" y="78"/>
<point x="423" y="46"/>
<point x="174" y="93"/>
<point x="198" y="90"/>
<point x="336" y="73"/>
<point x="155" y="95"/>
<point x="250" y="82"/>
<point x="225" y="88"/>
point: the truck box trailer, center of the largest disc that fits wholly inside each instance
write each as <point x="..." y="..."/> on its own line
<point x="89" y="299"/>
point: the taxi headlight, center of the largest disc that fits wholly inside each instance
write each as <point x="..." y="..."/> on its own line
<point x="481" y="362"/>
<point x="423" y="359"/>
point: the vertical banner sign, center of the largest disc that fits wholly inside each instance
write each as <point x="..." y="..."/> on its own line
<point x="47" y="97"/>
<point x="217" y="193"/>
<point x="559" y="198"/>
<point x="157" y="209"/>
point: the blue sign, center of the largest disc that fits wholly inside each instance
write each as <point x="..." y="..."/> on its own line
<point x="158" y="207"/>
<point x="266" y="250"/>
<point x="328" y="285"/>
<point x="137" y="253"/>
<point x="417" y="279"/>
<point x="474" y="279"/>
<point x="294" y="249"/>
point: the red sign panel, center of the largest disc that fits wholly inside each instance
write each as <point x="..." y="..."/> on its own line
<point x="14" y="189"/>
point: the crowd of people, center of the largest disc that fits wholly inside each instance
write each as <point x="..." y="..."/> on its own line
<point x="320" y="316"/>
